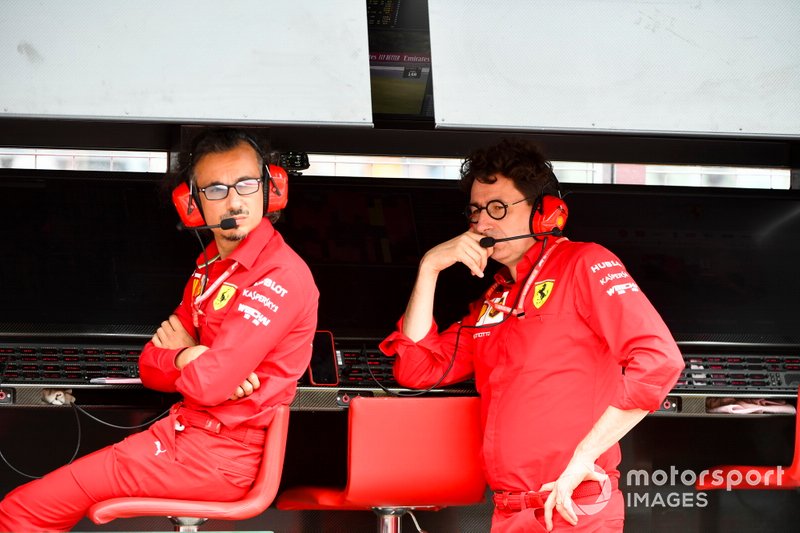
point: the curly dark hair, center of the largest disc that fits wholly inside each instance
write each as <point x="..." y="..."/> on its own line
<point x="515" y="158"/>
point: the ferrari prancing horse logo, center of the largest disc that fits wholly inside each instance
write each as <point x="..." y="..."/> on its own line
<point x="541" y="292"/>
<point x="224" y="295"/>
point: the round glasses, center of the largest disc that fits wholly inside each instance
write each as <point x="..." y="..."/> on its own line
<point x="219" y="191"/>
<point x="496" y="209"/>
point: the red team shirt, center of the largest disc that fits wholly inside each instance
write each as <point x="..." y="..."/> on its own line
<point x="546" y="378"/>
<point x="260" y="319"/>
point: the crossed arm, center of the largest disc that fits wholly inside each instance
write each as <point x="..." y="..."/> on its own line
<point x="172" y="335"/>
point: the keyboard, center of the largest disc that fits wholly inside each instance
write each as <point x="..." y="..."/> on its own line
<point x="362" y="367"/>
<point x="356" y="364"/>
<point x="703" y="372"/>
<point x="29" y="363"/>
<point x="740" y="373"/>
<point x="61" y="363"/>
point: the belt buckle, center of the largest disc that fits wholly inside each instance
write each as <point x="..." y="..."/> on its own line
<point x="500" y="499"/>
<point x="214" y="426"/>
<point x="533" y="500"/>
<point x="506" y="500"/>
<point x="518" y="501"/>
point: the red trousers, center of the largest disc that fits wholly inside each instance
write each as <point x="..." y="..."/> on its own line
<point x="159" y="462"/>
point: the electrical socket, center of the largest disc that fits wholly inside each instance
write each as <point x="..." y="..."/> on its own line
<point x="6" y="396"/>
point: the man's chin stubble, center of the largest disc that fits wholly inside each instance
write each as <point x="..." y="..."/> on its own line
<point x="236" y="237"/>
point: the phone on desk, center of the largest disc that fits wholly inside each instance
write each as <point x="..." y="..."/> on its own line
<point x="323" y="371"/>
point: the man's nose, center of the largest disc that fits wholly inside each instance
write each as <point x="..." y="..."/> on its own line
<point x="483" y="221"/>
<point x="234" y="198"/>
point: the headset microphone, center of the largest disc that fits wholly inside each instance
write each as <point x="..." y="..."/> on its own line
<point x="488" y="242"/>
<point x="225" y="223"/>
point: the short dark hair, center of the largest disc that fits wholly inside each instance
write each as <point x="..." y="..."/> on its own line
<point x="515" y="158"/>
<point x="217" y="140"/>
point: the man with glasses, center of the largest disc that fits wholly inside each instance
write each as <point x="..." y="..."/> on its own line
<point x="546" y="346"/>
<point x="234" y="349"/>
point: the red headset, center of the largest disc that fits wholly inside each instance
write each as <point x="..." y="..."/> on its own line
<point x="551" y="213"/>
<point x="276" y="196"/>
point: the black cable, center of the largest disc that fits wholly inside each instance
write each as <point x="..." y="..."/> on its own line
<point x="109" y="424"/>
<point x="205" y="260"/>
<point x="76" y="410"/>
<point x="74" y="455"/>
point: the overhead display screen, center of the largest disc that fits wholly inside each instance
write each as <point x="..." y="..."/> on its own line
<point x="283" y="61"/>
<point x="670" y="66"/>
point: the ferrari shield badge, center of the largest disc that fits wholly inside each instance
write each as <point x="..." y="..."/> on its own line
<point x="541" y="292"/>
<point x="224" y="295"/>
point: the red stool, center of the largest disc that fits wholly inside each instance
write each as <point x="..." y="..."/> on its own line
<point x="188" y="515"/>
<point x="404" y="454"/>
<point x="756" y="477"/>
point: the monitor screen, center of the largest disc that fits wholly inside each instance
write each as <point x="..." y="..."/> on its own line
<point x="363" y="239"/>
<point x="90" y="249"/>
<point x="94" y="250"/>
<point x="400" y="58"/>
<point x="716" y="263"/>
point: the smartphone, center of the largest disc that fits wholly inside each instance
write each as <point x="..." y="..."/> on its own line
<point x="323" y="370"/>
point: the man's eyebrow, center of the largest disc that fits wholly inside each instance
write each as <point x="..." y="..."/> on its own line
<point x="476" y="204"/>
<point x="218" y="182"/>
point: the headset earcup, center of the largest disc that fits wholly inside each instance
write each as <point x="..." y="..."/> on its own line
<point x="276" y="189"/>
<point x="552" y="213"/>
<point x="186" y="205"/>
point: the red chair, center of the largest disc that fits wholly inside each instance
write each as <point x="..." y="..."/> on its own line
<point x="404" y="454"/>
<point x="188" y="515"/>
<point x="756" y="477"/>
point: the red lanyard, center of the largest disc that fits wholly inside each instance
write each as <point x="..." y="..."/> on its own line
<point x="518" y="312"/>
<point x="196" y="311"/>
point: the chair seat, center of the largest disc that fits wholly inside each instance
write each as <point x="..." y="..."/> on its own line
<point x="109" y="510"/>
<point x="404" y="453"/>
<point x="332" y="499"/>
<point x="317" y="499"/>
<point x="257" y="499"/>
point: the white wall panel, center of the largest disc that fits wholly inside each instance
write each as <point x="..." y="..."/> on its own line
<point x="683" y="66"/>
<point x="259" y="61"/>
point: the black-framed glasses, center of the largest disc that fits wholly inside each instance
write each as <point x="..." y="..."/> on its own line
<point x="496" y="209"/>
<point x="219" y="191"/>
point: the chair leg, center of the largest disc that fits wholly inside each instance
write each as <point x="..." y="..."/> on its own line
<point x="389" y="519"/>
<point x="186" y="523"/>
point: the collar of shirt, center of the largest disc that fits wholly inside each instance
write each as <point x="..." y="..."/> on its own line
<point x="525" y="265"/>
<point x="248" y="250"/>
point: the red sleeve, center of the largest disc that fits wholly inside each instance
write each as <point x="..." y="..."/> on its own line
<point x="422" y="364"/>
<point x="157" y="365"/>
<point x="249" y="335"/>
<point x="616" y="309"/>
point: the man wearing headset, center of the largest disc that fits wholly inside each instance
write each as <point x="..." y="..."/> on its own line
<point x="547" y="347"/>
<point x="234" y="349"/>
